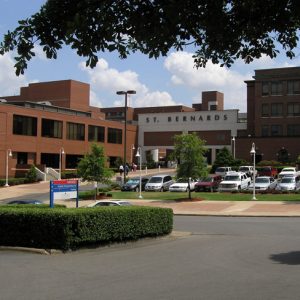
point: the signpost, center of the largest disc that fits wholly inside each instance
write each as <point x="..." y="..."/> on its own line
<point x="63" y="189"/>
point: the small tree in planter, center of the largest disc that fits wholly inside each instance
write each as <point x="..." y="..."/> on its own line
<point x="92" y="167"/>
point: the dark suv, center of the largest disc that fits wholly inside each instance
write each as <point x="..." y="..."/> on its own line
<point x="268" y="171"/>
<point x="208" y="184"/>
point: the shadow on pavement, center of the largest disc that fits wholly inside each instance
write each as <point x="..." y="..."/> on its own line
<point x="289" y="258"/>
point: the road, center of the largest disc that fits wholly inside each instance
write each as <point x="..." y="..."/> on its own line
<point x="211" y="258"/>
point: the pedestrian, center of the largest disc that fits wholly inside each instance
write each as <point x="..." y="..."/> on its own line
<point x="121" y="170"/>
<point x="126" y="169"/>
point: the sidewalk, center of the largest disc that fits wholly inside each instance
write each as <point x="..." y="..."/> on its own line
<point x="201" y="208"/>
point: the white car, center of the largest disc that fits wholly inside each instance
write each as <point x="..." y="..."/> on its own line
<point x="263" y="183"/>
<point x="182" y="185"/>
<point x="102" y="203"/>
<point x="234" y="182"/>
<point x="289" y="183"/>
<point x="287" y="171"/>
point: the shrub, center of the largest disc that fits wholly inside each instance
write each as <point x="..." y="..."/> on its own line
<point x="31" y="175"/>
<point x="60" y="228"/>
<point x="69" y="174"/>
<point x="13" y="181"/>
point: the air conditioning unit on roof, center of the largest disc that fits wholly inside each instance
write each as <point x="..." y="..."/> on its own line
<point x="44" y="102"/>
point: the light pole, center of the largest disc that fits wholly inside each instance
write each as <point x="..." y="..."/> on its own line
<point x="132" y="149"/>
<point x="253" y="152"/>
<point x="139" y="155"/>
<point x="61" y="152"/>
<point x="233" y="142"/>
<point x="8" y="154"/>
<point x="125" y="127"/>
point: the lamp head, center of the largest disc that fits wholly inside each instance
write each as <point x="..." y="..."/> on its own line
<point x="9" y="153"/>
<point x="131" y="92"/>
<point x="138" y="154"/>
<point x="62" y="151"/>
<point x="121" y="93"/>
<point x="253" y="149"/>
<point x="233" y="139"/>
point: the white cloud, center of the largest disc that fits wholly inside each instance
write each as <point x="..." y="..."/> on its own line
<point x="9" y="82"/>
<point x="211" y="78"/>
<point x="104" y="78"/>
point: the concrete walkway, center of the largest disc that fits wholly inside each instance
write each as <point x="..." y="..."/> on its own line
<point x="211" y="208"/>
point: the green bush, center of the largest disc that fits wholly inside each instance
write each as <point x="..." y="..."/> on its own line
<point x="64" y="229"/>
<point x="13" y="181"/>
<point x="31" y="175"/>
<point x="69" y="174"/>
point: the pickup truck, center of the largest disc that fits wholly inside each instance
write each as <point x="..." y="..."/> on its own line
<point x="235" y="181"/>
<point x="249" y="170"/>
<point x="223" y="171"/>
<point x="290" y="171"/>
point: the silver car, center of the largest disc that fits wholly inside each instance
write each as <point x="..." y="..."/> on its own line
<point x="289" y="183"/>
<point x="264" y="183"/>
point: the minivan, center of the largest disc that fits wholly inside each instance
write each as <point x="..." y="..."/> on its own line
<point x="159" y="183"/>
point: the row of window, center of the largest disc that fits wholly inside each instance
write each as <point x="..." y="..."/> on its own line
<point x="277" y="130"/>
<point x="23" y="125"/>
<point x="276" y="88"/>
<point x="276" y="109"/>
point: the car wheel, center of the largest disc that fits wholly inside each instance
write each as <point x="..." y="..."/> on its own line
<point x="239" y="189"/>
<point x="137" y="189"/>
<point x="162" y="189"/>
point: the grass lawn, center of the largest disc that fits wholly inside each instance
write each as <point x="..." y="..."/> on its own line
<point x="206" y="196"/>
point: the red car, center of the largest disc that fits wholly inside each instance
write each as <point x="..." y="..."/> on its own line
<point x="208" y="184"/>
<point x="268" y="171"/>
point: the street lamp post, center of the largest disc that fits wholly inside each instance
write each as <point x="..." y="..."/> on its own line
<point x="253" y="152"/>
<point x="233" y="142"/>
<point x="8" y="154"/>
<point x="139" y="155"/>
<point x="132" y="149"/>
<point x="61" y="152"/>
<point x="125" y="127"/>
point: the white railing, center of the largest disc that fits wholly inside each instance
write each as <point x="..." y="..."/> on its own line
<point x="40" y="174"/>
<point x="52" y="173"/>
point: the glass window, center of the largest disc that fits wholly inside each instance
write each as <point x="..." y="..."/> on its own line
<point x="265" y="88"/>
<point x="75" y="131"/>
<point x="52" y="128"/>
<point x="276" y="109"/>
<point x="96" y="133"/>
<point x="265" y="130"/>
<point x="265" y="110"/>
<point x="276" y="130"/>
<point x="276" y="88"/>
<point x="293" y="87"/>
<point x="293" y="109"/>
<point x="22" y="158"/>
<point x="114" y="135"/>
<point x="293" y="130"/>
<point x="24" y="125"/>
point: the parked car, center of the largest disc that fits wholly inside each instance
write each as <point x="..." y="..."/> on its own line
<point x="181" y="185"/>
<point x="287" y="171"/>
<point x="133" y="184"/>
<point x="263" y="183"/>
<point x="109" y="203"/>
<point x="223" y="171"/>
<point x="209" y="183"/>
<point x="159" y="183"/>
<point x="248" y="170"/>
<point x="289" y="183"/>
<point x="234" y="182"/>
<point x="25" y="202"/>
<point x="268" y="171"/>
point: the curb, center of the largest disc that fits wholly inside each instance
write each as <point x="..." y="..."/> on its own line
<point x="31" y="250"/>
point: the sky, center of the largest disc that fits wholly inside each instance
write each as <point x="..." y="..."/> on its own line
<point x="171" y="80"/>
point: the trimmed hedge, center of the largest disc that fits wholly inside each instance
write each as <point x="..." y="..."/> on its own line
<point x="64" y="229"/>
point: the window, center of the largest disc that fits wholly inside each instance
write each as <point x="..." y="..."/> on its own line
<point x="276" y="88"/>
<point x="293" y="87"/>
<point x="293" y="130"/>
<point x="265" y="130"/>
<point x="22" y="158"/>
<point x="293" y="109"/>
<point x="276" y="130"/>
<point x="96" y="133"/>
<point x="114" y="135"/>
<point x="213" y="107"/>
<point x="24" y="125"/>
<point x="265" y="88"/>
<point x="276" y="109"/>
<point x="52" y="128"/>
<point x="265" y="110"/>
<point x="75" y="131"/>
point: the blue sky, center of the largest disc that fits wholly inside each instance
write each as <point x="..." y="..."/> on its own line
<point x="167" y="81"/>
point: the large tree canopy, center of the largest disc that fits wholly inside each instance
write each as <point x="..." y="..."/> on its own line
<point x="220" y="30"/>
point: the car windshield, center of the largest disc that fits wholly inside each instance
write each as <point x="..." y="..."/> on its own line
<point x="266" y="169"/>
<point x="220" y="170"/>
<point x="155" y="180"/>
<point x="243" y="169"/>
<point x="288" y="170"/>
<point x="133" y="181"/>
<point x="232" y="178"/>
<point x="262" y="180"/>
<point x="206" y="179"/>
<point x="288" y="180"/>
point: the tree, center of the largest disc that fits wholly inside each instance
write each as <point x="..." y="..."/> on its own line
<point x="220" y="30"/>
<point x="31" y="174"/>
<point x="92" y="167"/>
<point x="224" y="158"/>
<point x="189" y="151"/>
